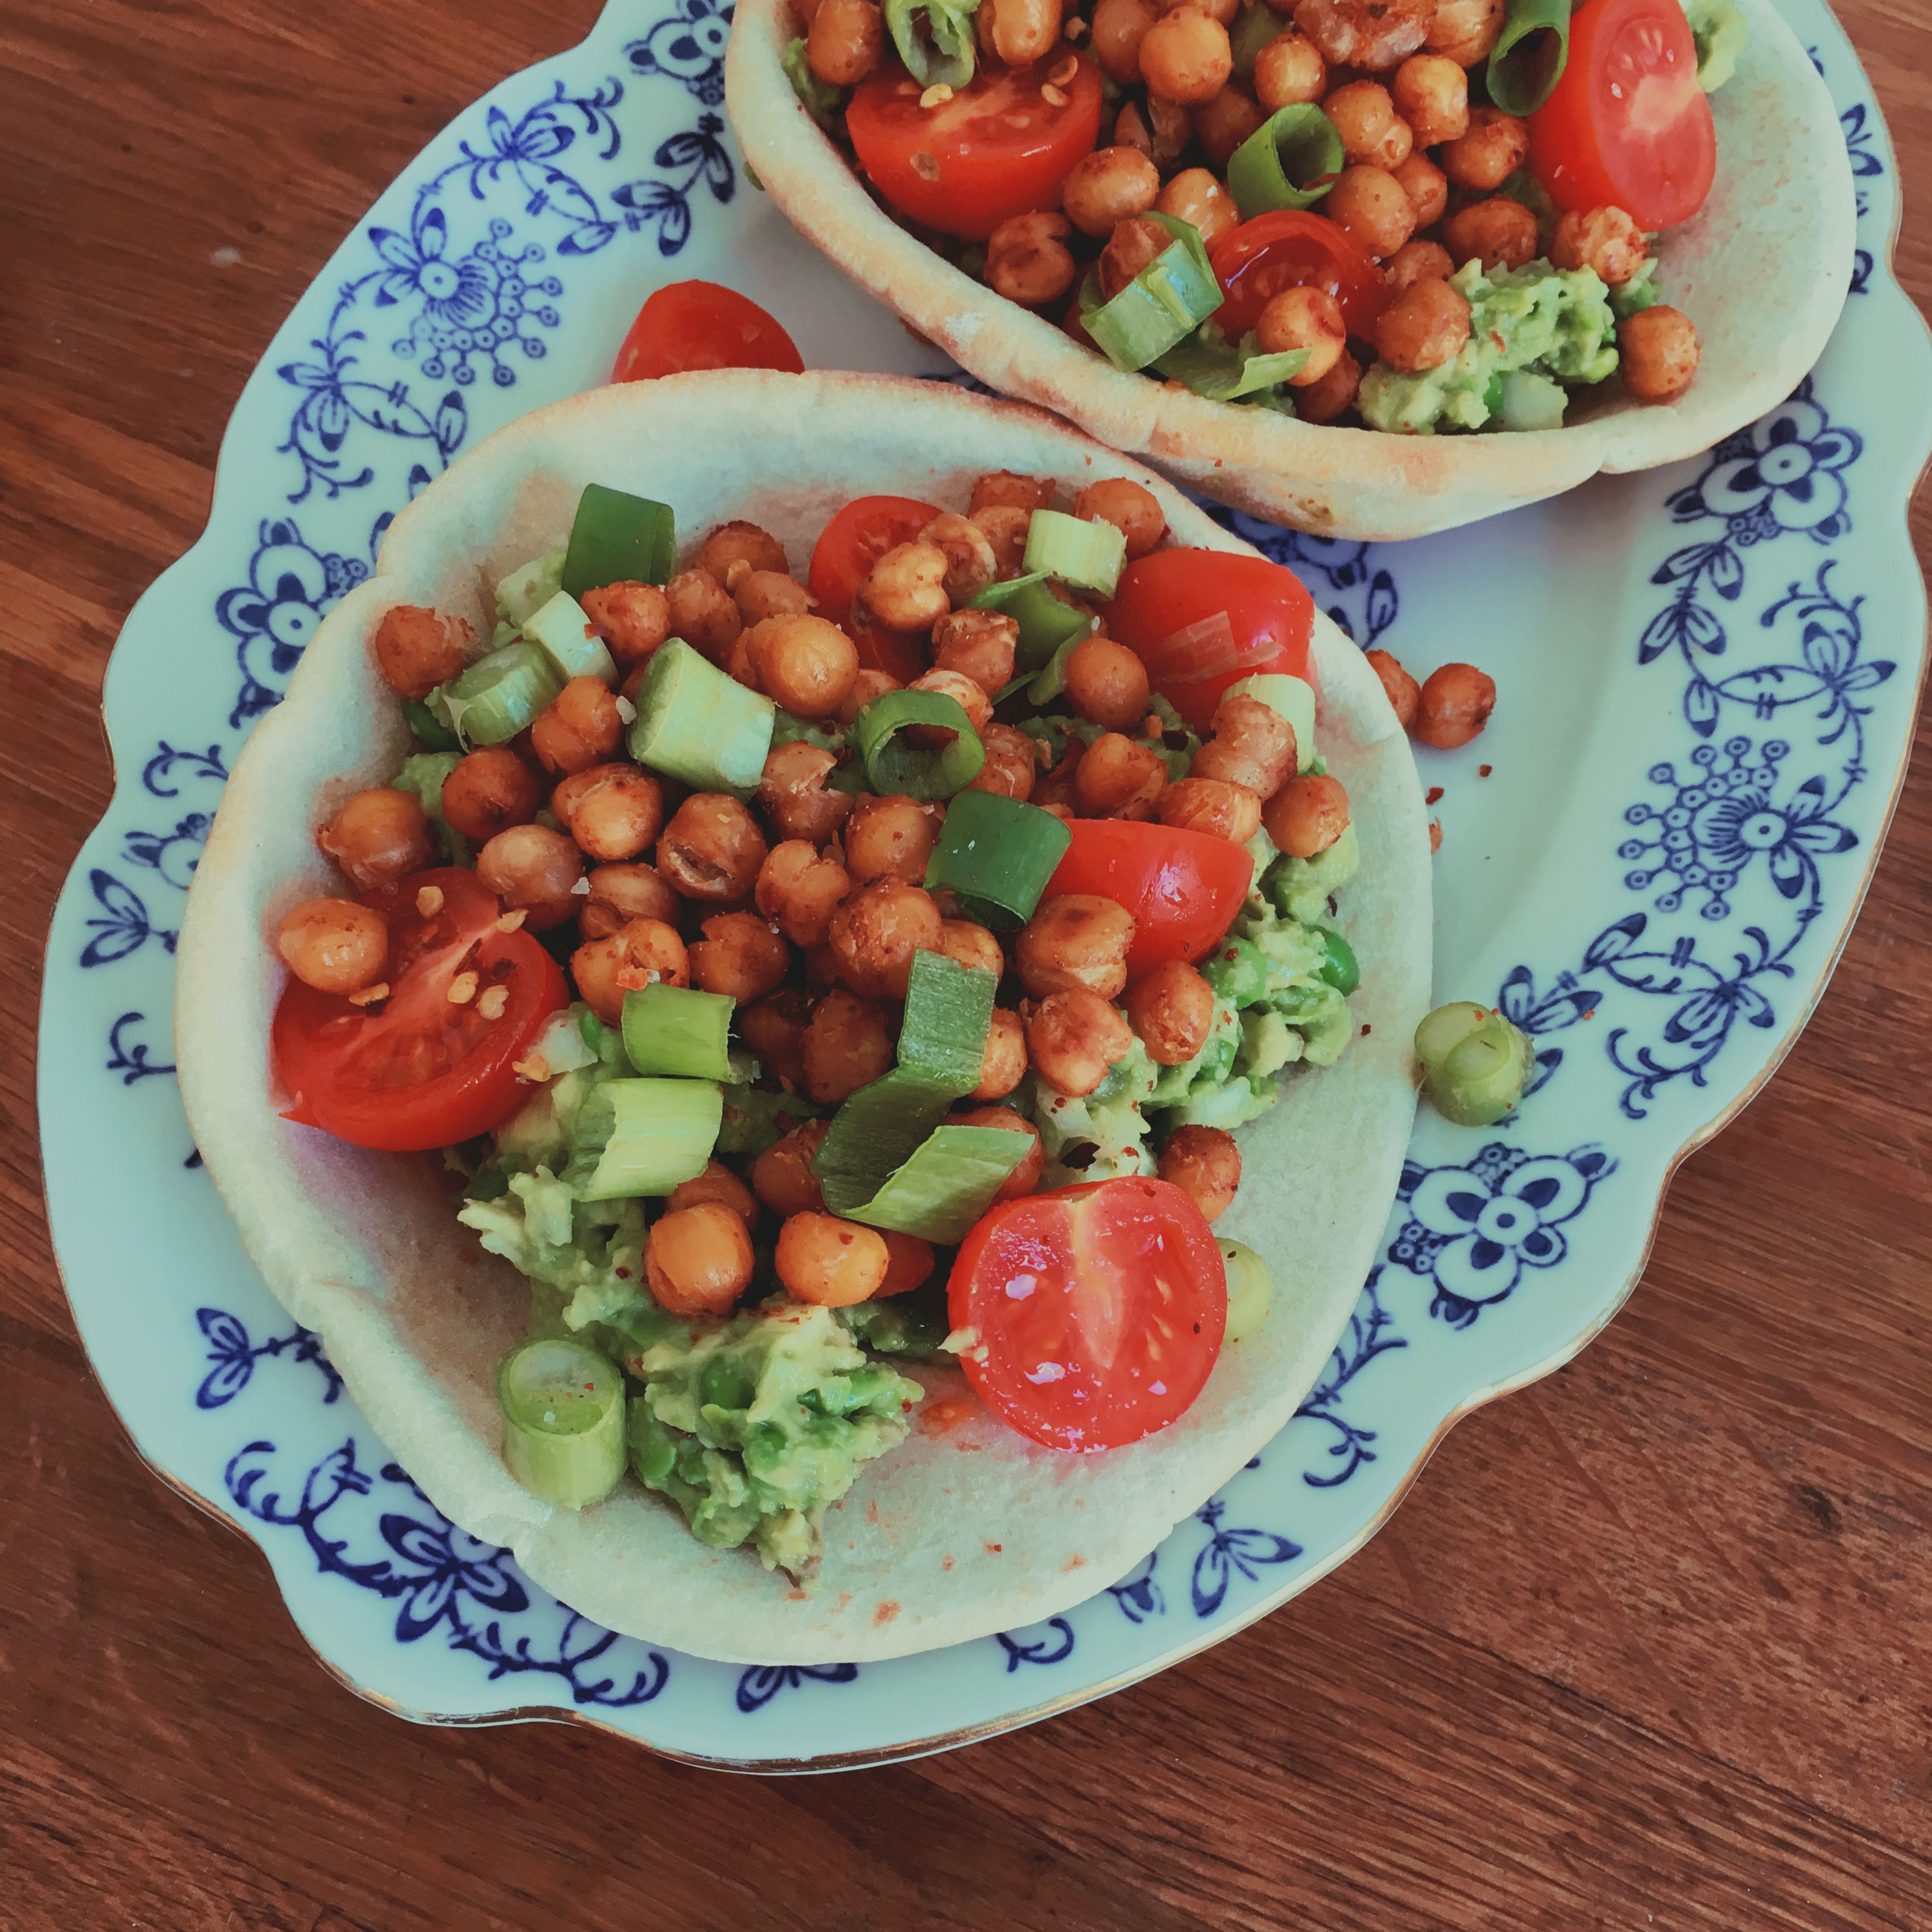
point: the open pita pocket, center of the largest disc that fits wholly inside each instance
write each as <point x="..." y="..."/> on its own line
<point x="957" y="1532"/>
<point x="1762" y="271"/>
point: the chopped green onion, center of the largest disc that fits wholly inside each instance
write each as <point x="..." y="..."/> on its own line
<point x="633" y="1137"/>
<point x="1087" y="552"/>
<point x="426" y="728"/>
<point x="896" y="768"/>
<point x="944" y="53"/>
<point x="947" y="1184"/>
<point x="949" y="1012"/>
<point x="1046" y="621"/>
<point x="696" y="724"/>
<point x="787" y="728"/>
<point x="1339" y="966"/>
<point x="819" y="98"/>
<point x="530" y="587"/>
<point x="1250" y="1289"/>
<point x="501" y="694"/>
<point x="1292" y="697"/>
<point x="995" y="856"/>
<point x="1290" y="160"/>
<point x="1050" y="681"/>
<point x="1529" y="56"/>
<point x="1252" y="32"/>
<point x="1162" y="305"/>
<point x="563" y="1421"/>
<point x="1718" y="32"/>
<point x="1475" y="1064"/>
<point x="677" y="1029"/>
<point x="570" y="640"/>
<point x="616" y="538"/>
<point x="1225" y="374"/>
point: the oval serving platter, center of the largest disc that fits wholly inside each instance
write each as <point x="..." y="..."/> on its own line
<point x="1650" y="860"/>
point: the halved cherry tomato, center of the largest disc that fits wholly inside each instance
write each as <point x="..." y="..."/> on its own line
<point x="1001" y="146"/>
<point x="1184" y="888"/>
<point x="1627" y="127"/>
<point x="417" y="1071"/>
<point x="847" y="549"/>
<point x="1271" y="620"/>
<point x="1292" y="249"/>
<point x="1098" y="1311"/>
<point x="703" y="326"/>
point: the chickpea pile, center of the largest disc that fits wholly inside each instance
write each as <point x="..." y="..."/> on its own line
<point x="1425" y="158"/>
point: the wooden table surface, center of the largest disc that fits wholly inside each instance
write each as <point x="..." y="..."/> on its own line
<point x="1651" y="1643"/>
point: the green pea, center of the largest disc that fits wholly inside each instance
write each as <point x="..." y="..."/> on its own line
<point x="1236" y="971"/>
<point x="1340" y="968"/>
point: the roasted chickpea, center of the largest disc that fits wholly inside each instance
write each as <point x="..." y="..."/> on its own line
<point x="1252" y="744"/>
<point x="378" y="836"/>
<point x="621" y="893"/>
<point x="697" y="1260"/>
<point x="803" y="663"/>
<point x="712" y="849"/>
<point x="1171" y="1008"/>
<point x="743" y="543"/>
<point x="1212" y="805"/>
<point x="774" y="1029"/>
<point x="1119" y="27"/>
<point x="1196" y="195"/>
<point x="1186" y="57"/>
<point x="970" y="698"/>
<point x="847" y="39"/>
<point x="1222" y="124"/>
<point x="1605" y="239"/>
<point x="978" y="644"/>
<point x="1307" y="815"/>
<point x="719" y="1184"/>
<point x="1424" y="328"/>
<point x="1496" y="145"/>
<point x="909" y="1262"/>
<point x="1289" y="69"/>
<point x="1159" y="129"/>
<point x="1106" y="187"/>
<point x="971" y="945"/>
<point x="1107" y="682"/>
<point x="1011" y="766"/>
<point x="1119" y="778"/>
<point x="1077" y="939"/>
<point x="1072" y="1039"/>
<point x="1453" y="706"/>
<point x="1027" y="259"/>
<point x="416" y="649"/>
<point x="1418" y="262"/>
<point x="1019" y="31"/>
<point x="1322" y="402"/>
<point x="781" y="1177"/>
<point x="1374" y="35"/>
<point x="1135" y="244"/>
<point x="646" y="952"/>
<point x="1004" y="1065"/>
<point x="739" y="956"/>
<point x="582" y="728"/>
<point x="759" y="594"/>
<point x="633" y="618"/>
<point x="793" y="795"/>
<point x="1205" y="1164"/>
<point x="1372" y="131"/>
<point x="1025" y="1177"/>
<point x="800" y="889"/>
<point x="846" y="1047"/>
<point x="821" y="968"/>
<point x="1371" y="204"/>
<point x="1432" y="94"/>
<point x="907" y="589"/>
<point x="338" y="947"/>
<point x="1006" y="490"/>
<point x="613" y="811"/>
<point x="1403" y="691"/>
<point x="1135" y="511"/>
<point x="1466" y="32"/>
<point x="969" y="561"/>
<point x="531" y="867"/>
<point x="1303" y="318"/>
<point x="1053" y="788"/>
<point x="890" y="837"/>
<point x="1497" y="232"/>
<point x="1004" y="527"/>
<point x="877" y="930"/>
<point x="1427" y="188"/>
<point x="829" y="1263"/>
<point x="491" y="788"/>
<point x="1660" y="352"/>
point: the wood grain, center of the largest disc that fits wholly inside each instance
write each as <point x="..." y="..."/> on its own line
<point x="1651" y="1643"/>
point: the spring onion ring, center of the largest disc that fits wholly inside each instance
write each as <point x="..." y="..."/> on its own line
<point x="1529" y="57"/>
<point x="1290" y="160"/>
<point x="894" y="767"/>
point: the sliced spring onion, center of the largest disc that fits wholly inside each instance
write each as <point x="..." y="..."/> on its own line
<point x="633" y="1137"/>
<point x="695" y="724"/>
<point x="1049" y="682"/>
<point x="1252" y="32"/>
<point x="530" y="587"/>
<point x="1224" y="374"/>
<point x="559" y="628"/>
<point x="943" y="51"/>
<point x="679" y="1030"/>
<point x="1045" y="621"/>
<point x="1084" y="552"/>
<point x="616" y="538"/>
<point x="1290" y="160"/>
<point x="1163" y="304"/>
<point x="499" y="695"/>
<point x="1339" y="966"/>
<point x="819" y="98"/>
<point x="949" y="1012"/>
<point x="995" y="855"/>
<point x="426" y="728"/>
<point x="947" y="1184"/>
<point x="1293" y="697"/>
<point x="894" y="767"/>
<point x="1475" y="1064"/>
<point x="787" y="728"/>
<point x="1530" y="55"/>
<point x="1250" y="1289"/>
<point x="1718" y="32"/>
<point x="563" y="1420"/>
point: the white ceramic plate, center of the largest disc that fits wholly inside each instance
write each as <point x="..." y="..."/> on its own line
<point x="1652" y="859"/>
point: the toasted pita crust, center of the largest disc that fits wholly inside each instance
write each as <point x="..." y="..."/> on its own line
<point x="1762" y="271"/>
<point x="957" y="1533"/>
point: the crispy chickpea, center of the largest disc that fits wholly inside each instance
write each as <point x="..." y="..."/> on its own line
<point x="1453" y="706"/>
<point x="613" y="811"/>
<point x="1432" y="94"/>
<point x="703" y="614"/>
<point x="781" y="1177"/>
<point x="1289" y="69"/>
<point x="1371" y="131"/>
<point x="491" y="788"/>
<point x="646" y="952"/>
<point x="1465" y="31"/>
<point x="1424" y="328"/>
<point x="1205" y="1164"/>
<point x="1372" y="204"/>
<point x="970" y="944"/>
<point x="633" y="618"/>
<point x="1027" y="259"/>
<point x="1119" y="778"/>
<point x="740" y="542"/>
<point x="969" y="696"/>
<point x="1107" y="682"/>
<point x="1006" y="490"/>
<point x="1004" y="527"/>
<point x="621" y="893"/>
<point x="1605" y="239"/>
<point x="1222" y="124"/>
<point x="1073" y="1038"/>
<point x="1251" y="744"/>
<point x="1077" y="939"/>
<point x="1375" y="34"/>
<point x="1119" y="27"/>
<point x="1322" y="402"/>
<point x="1496" y="232"/>
<point x="829" y="1263"/>
<point x="803" y="663"/>
<point x="1011" y="766"/>
<point x="1135" y="243"/>
<point x="1053" y="788"/>
<point x="531" y="867"/>
<point x="877" y="930"/>
<point x="1020" y="31"/>
<point x="909" y="1262"/>
<point x="1025" y="1177"/>
<point x="697" y="1260"/>
<point x="759" y="594"/>
<point x="907" y="589"/>
<point x="1418" y="262"/>
<point x="1212" y="805"/>
<point x="719" y="1184"/>
<point x="1303" y="318"/>
<point x="800" y="889"/>
<point x="969" y="561"/>
<point x="1172" y="1009"/>
<point x="846" y="1047"/>
<point x="1196" y="196"/>
<point x="890" y="837"/>
<point x="846" y="41"/>
<point x="1159" y="129"/>
<point x="1186" y="57"/>
<point x="1106" y="187"/>
<point x="774" y="1029"/>
<point x="712" y="849"/>
<point x="1496" y="145"/>
<point x="1427" y="188"/>
<point x="978" y="644"/>
<point x="1307" y="815"/>
<point x="1004" y="1065"/>
<point x="417" y="649"/>
<point x="793" y="795"/>
<point x="821" y="968"/>
<point x="582" y="728"/>
<point x="1402" y="690"/>
<point x="377" y="835"/>
<point x="1134" y="511"/>
<point x="1660" y="353"/>
<point x="739" y="956"/>
<point x="338" y="947"/>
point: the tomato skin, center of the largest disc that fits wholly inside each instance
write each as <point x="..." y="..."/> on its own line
<point x="998" y="148"/>
<point x="847" y="549"/>
<point x="703" y="326"/>
<point x="1122" y="1289"/>
<point x="1271" y="618"/>
<point x="1184" y="888"/>
<point x="344" y="1065"/>
<point x="1627" y="126"/>
<point x="1292" y="247"/>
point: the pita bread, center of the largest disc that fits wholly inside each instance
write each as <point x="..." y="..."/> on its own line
<point x="959" y="1532"/>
